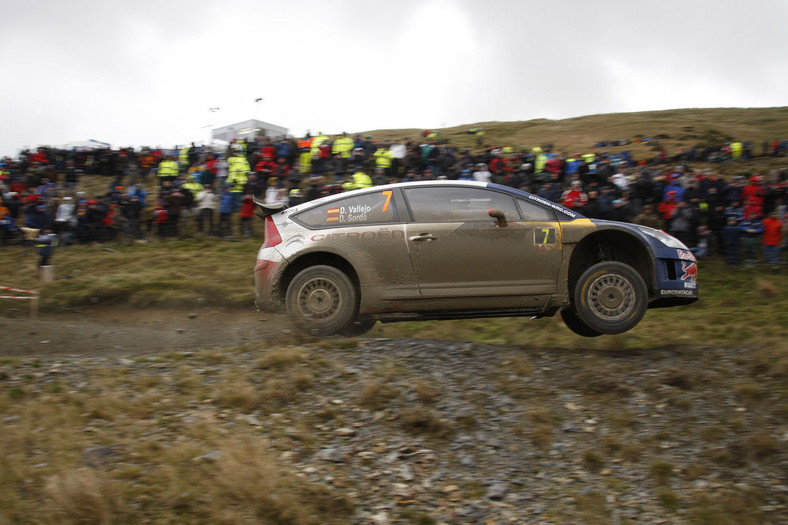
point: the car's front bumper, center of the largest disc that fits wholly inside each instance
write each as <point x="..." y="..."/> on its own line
<point x="677" y="278"/>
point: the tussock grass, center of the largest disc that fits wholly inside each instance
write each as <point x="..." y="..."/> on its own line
<point x="661" y="471"/>
<point x="377" y="395"/>
<point x="281" y="358"/>
<point x="740" y="507"/>
<point x="84" y="496"/>
<point x="426" y="422"/>
<point x="425" y="392"/>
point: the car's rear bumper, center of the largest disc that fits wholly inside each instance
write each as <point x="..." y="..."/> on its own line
<point x="268" y="297"/>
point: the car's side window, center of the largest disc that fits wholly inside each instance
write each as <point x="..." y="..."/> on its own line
<point x="533" y="212"/>
<point x="366" y="208"/>
<point x="457" y="204"/>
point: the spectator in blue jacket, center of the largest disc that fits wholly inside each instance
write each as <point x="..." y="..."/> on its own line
<point x="226" y="210"/>
<point x="674" y="185"/>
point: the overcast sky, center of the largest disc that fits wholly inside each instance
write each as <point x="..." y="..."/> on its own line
<point x="138" y="72"/>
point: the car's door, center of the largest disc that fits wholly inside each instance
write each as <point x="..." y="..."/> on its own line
<point x="458" y="250"/>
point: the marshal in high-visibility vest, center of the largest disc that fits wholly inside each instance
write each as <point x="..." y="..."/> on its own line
<point x="362" y="180"/>
<point x="168" y="169"/>
<point x="236" y="175"/>
<point x="342" y="146"/>
<point x="382" y="158"/>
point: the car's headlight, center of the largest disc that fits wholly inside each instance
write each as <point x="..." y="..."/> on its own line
<point x="665" y="238"/>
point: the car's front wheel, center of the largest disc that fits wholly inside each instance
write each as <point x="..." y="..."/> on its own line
<point x="321" y="300"/>
<point x="610" y="297"/>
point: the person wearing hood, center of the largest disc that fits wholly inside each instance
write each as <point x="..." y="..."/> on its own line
<point x="45" y="245"/>
<point x="65" y="219"/>
<point x="36" y="216"/>
<point x="674" y="185"/>
<point x="481" y="173"/>
<point x="207" y="202"/>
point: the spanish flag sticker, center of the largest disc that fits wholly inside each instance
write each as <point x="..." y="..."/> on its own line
<point x="332" y="215"/>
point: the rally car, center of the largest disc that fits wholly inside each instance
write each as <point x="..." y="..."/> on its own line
<point x="462" y="249"/>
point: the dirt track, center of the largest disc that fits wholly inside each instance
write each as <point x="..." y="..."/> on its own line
<point x="135" y="331"/>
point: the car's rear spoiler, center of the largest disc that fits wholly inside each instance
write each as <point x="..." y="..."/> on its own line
<point x="266" y="209"/>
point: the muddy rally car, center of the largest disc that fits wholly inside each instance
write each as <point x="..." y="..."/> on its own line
<point x="453" y="250"/>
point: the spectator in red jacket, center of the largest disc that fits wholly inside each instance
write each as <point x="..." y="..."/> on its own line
<point x="246" y="214"/>
<point x="772" y="238"/>
<point x="574" y="197"/>
<point x="754" y="193"/>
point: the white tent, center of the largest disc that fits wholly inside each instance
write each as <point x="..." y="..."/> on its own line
<point x="85" y="144"/>
<point x="247" y="129"/>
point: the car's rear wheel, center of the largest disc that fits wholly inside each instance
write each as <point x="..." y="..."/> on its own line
<point x="574" y="323"/>
<point x="610" y="297"/>
<point x="321" y="300"/>
<point x="357" y="327"/>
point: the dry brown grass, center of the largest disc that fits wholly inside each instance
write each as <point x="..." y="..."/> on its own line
<point x="84" y="496"/>
<point x="377" y="395"/>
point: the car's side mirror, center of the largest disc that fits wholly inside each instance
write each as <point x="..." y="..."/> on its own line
<point x="500" y="217"/>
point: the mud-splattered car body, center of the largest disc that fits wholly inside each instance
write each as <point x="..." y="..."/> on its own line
<point x="453" y="249"/>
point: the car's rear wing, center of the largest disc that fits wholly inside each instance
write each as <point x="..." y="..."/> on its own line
<point x="266" y="209"/>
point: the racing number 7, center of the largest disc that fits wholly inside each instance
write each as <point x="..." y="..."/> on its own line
<point x="387" y="193"/>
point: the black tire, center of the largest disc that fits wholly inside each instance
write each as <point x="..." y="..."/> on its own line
<point x="321" y="300"/>
<point x="357" y="327"/>
<point x="610" y="297"/>
<point x="574" y="323"/>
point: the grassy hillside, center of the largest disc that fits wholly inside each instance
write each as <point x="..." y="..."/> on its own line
<point x="675" y="130"/>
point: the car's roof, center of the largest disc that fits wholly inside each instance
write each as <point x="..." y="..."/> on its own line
<point x="433" y="183"/>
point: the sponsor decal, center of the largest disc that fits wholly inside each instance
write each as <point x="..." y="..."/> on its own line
<point x="691" y="285"/>
<point x="686" y="255"/>
<point x="690" y="270"/>
<point x="382" y="235"/>
<point x="552" y="205"/>
<point x="678" y="292"/>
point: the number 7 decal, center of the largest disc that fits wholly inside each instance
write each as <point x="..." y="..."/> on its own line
<point x="388" y="194"/>
<point x="544" y="236"/>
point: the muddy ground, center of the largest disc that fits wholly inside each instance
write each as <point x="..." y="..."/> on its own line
<point x="125" y="330"/>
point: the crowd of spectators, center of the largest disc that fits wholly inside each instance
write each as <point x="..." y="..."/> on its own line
<point x="159" y="193"/>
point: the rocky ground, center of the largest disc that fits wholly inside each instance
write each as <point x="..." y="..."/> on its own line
<point x="432" y="431"/>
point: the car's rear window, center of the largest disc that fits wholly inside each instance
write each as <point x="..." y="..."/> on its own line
<point x="365" y="208"/>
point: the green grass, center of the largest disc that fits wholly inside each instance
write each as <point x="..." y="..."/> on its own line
<point x="738" y="306"/>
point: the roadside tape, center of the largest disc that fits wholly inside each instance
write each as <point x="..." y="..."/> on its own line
<point x="18" y="290"/>
<point x="33" y="298"/>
